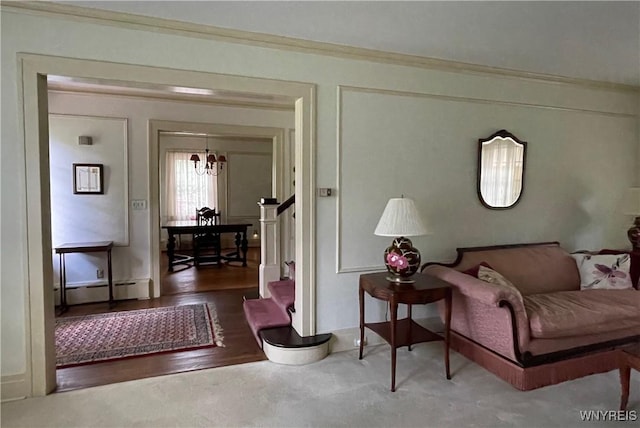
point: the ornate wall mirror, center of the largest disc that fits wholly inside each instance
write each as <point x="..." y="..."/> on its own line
<point x="501" y="161"/>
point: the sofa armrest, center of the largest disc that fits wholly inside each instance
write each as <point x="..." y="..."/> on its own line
<point x="475" y="295"/>
<point x="474" y="288"/>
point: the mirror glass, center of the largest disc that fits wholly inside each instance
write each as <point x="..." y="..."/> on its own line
<point x="501" y="161"/>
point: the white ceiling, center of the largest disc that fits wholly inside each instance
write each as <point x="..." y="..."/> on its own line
<point x="589" y="40"/>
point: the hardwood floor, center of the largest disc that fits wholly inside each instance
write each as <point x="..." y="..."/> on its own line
<point x="224" y="286"/>
<point x="186" y="279"/>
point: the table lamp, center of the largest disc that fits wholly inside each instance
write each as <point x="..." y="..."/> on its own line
<point x="401" y="219"/>
<point x="633" y="208"/>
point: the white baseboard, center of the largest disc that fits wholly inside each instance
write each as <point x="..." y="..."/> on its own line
<point x="344" y="340"/>
<point x="89" y="292"/>
<point x="14" y="387"/>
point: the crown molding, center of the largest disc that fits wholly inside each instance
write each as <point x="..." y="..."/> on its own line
<point x="372" y="90"/>
<point x="127" y="20"/>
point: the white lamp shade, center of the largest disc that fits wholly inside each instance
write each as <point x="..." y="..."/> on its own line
<point x="400" y="218"/>
<point x="633" y="201"/>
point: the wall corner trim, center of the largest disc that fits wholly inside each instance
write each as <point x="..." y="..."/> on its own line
<point x="14" y="387"/>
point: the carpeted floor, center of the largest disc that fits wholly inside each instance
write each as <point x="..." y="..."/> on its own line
<point x="339" y="391"/>
<point x="126" y="334"/>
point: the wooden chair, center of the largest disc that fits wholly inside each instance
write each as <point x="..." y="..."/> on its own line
<point x="207" y="245"/>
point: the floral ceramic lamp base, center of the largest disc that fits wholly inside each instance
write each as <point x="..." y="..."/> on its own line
<point x="402" y="261"/>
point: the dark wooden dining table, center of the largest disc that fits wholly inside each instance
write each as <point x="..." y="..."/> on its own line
<point x="190" y="227"/>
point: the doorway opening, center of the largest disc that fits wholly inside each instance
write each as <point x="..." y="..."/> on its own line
<point x="259" y="163"/>
<point x="35" y="69"/>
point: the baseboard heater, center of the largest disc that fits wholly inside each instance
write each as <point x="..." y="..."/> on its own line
<point x="93" y="292"/>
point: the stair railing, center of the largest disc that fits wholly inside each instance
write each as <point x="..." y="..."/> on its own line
<point x="270" y="263"/>
<point x="286" y="204"/>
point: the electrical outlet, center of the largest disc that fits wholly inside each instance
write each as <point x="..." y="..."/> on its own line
<point x="100" y="273"/>
<point x="139" y="204"/>
<point x="356" y="342"/>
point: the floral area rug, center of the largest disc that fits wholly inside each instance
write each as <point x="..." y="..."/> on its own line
<point x="116" y="335"/>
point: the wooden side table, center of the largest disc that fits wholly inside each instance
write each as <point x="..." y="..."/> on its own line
<point x="629" y="358"/>
<point x="405" y="332"/>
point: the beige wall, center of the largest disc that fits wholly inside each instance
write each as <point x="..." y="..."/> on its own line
<point x="573" y="186"/>
<point x="397" y="130"/>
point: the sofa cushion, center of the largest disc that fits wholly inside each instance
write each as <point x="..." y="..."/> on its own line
<point x="543" y="268"/>
<point x="577" y="313"/>
<point x="604" y="271"/>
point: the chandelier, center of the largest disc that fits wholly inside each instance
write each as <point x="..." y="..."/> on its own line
<point x="212" y="165"/>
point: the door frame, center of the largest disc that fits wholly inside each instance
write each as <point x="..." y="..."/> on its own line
<point x="33" y="110"/>
<point x="157" y="126"/>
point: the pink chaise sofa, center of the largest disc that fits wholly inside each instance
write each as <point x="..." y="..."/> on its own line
<point x="552" y="332"/>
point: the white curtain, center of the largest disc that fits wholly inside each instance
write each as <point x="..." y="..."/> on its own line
<point x="185" y="190"/>
<point x="501" y="179"/>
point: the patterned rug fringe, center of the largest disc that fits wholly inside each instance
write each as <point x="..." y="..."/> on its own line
<point x="217" y="328"/>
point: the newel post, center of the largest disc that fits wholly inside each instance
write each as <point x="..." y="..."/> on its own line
<point x="269" y="244"/>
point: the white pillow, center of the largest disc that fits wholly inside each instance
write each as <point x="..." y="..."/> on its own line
<point x="604" y="271"/>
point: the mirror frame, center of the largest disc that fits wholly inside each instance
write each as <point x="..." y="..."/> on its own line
<point x="503" y="133"/>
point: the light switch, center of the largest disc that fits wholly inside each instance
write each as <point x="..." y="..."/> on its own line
<point x="139" y="204"/>
<point x="324" y="192"/>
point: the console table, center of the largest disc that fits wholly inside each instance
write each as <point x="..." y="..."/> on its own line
<point x="82" y="247"/>
<point x="405" y="332"/>
<point x="190" y="228"/>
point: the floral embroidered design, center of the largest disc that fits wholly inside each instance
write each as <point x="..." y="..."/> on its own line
<point x="609" y="274"/>
<point x="397" y="261"/>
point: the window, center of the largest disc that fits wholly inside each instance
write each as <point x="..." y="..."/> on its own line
<point x="186" y="191"/>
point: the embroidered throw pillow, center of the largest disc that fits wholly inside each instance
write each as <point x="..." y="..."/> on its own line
<point x="492" y="277"/>
<point x="473" y="271"/>
<point x="610" y="271"/>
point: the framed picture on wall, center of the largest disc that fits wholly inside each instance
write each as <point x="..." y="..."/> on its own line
<point x="88" y="179"/>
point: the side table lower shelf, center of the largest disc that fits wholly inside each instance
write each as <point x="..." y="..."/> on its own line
<point x="408" y="332"/>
